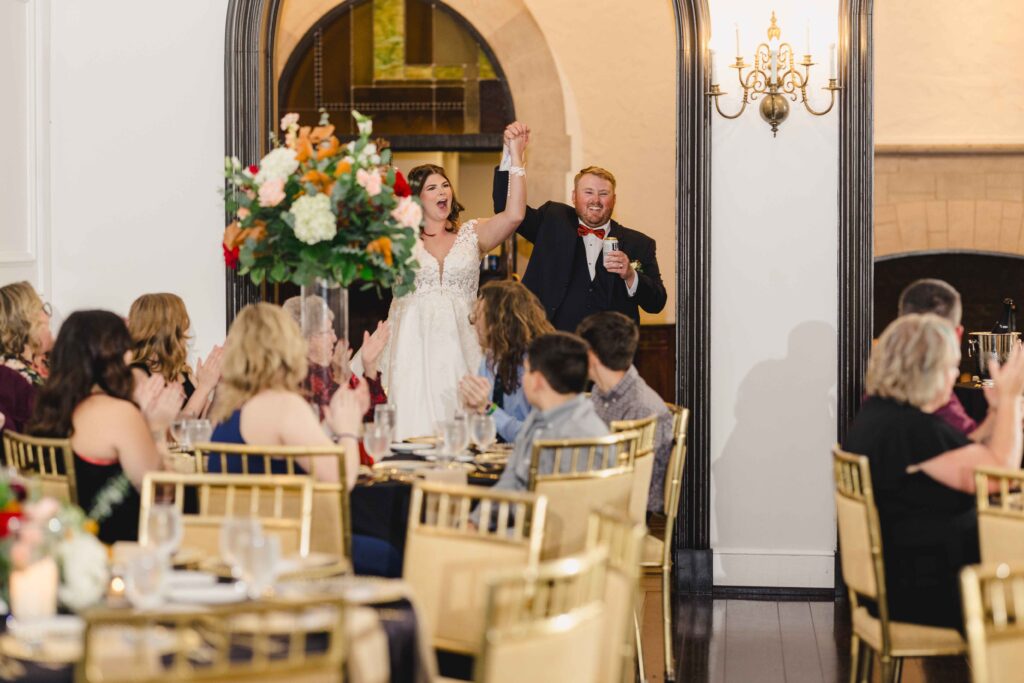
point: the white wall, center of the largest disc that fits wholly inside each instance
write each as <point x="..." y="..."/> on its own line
<point x="773" y="321"/>
<point x="949" y="72"/>
<point x="137" y="143"/>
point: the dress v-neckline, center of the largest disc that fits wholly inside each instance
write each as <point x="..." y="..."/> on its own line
<point x="440" y="262"/>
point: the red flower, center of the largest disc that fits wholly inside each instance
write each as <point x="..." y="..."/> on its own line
<point x="5" y="522"/>
<point x="230" y="257"/>
<point x="254" y="169"/>
<point x="402" y="188"/>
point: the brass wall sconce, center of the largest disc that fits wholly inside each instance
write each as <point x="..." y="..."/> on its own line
<point x="775" y="78"/>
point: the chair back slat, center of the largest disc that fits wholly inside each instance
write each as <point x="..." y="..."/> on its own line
<point x="1000" y="514"/>
<point x="283" y="504"/>
<point x="49" y="461"/>
<point x="993" y="602"/>
<point x="332" y="530"/>
<point x="448" y="559"/>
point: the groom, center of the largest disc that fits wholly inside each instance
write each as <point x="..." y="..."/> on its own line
<point x="568" y="271"/>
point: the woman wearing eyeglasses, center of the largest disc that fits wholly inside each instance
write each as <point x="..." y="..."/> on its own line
<point x="25" y="339"/>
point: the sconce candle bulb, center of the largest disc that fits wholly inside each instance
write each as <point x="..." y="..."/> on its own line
<point x="775" y="77"/>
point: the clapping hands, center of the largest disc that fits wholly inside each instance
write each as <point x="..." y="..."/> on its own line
<point x="373" y="346"/>
<point x="159" y="401"/>
<point x="347" y="407"/>
<point x="208" y="371"/>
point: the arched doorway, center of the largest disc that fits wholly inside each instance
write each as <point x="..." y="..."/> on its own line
<point x="506" y="26"/>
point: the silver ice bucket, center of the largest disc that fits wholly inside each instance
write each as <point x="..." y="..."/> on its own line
<point x="987" y="346"/>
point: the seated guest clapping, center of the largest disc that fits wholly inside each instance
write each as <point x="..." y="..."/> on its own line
<point x="89" y="397"/>
<point x="25" y="338"/>
<point x="922" y="469"/>
<point x="553" y="381"/>
<point x="258" y="401"/>
<point x="620" y="393"/>
<point x="160" y="329"/>
<point x="329" y="357"/>
<point x="507" y="317"/>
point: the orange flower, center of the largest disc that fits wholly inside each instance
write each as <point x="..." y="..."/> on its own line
<point x="320" y="180"/>
<point x="91" y="526"/>
<point x="321" y="133"/>
<point x="382" y="246"/>
<point x="303" y="145"/>
<point x="235" y="235"/>
<point x="342" y="168"/>
<point x="328" y="149"/>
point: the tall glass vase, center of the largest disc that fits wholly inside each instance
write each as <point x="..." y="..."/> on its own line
<point x="323" y="319"/>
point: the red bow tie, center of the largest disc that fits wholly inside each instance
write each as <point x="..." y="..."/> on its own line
<point x="583" y="231"/>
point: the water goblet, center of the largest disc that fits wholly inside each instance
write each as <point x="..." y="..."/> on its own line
<point x="236" y="534"/>
<point x="456" y="437"/>
<point x="199" y="431"/>
<point x="484" y="431"/>
<point x="144" y="578"/>
<point x="377" y="439"/>
<point x="180" y="433"/>
<point x="164" y="528"/>
<point x="259" y="565"/>
<point x="385" y="414"/>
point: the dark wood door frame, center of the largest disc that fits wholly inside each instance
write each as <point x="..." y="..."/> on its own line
<point x="249" y="116"/>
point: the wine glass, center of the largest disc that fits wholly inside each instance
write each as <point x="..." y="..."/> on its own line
<point x="144" y="578"/>
<point x="259" y="564"/>
<point x="200" y="431"/>
<point x="386" y="414"/>
<point x="164" y="529"/>
<point x="237" y="534"/>
<point x="456" y="438"/>
<point x="180" y="433"/>
<point x="377" y="439"/>
<point x="484" y="431"/>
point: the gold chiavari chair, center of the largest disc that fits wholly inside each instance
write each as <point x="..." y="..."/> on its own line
<point x="1000" y="514"/>
<point x="993" y="600"/>
<point x="50" y="461"/>
<point x="643" y="463"/>
<point x="578" y="475"/>
<point x="282" y="503"/>
<point x="860" y="545"/>
<point x="289" y="641"/>
<point x="332" y="533"/>
<point x="622" y="540"/>
<point x="447" y="558"/>
<point x="545" y="624"/>
<point x="657" y="553"/>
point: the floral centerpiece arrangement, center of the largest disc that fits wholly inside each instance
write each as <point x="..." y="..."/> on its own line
<point x="316" y="208"/>
<point x="40" y="538"/>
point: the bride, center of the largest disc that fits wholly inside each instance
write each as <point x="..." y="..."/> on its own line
<point x="432" y="343"/>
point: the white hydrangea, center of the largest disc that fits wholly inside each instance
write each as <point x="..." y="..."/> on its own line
<point x="278" y="164"/>
<point x="314" y="220"/>
<point x="85" y="575"/>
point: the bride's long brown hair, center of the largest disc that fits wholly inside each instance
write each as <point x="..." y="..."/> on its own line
<point x="514" y="317"/>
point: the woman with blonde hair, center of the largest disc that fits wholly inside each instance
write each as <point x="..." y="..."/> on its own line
<point x="922" y="469"/>
<point x="507" y="317"/>
<point x="160" y="329"/>
<point x="258" y="401"/>
<point x="25" y="339"/>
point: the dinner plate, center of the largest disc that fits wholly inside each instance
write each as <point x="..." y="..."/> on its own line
<point x="187" y="578"/>
<point x="431" y="440"/>
<point x="400" y="447"/>
<point x="297" y="563"/>
<point x="401" y="465"/>
<point x="216" y="594"/>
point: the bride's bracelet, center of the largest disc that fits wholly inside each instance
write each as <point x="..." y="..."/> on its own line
<point x="517" y="170"/>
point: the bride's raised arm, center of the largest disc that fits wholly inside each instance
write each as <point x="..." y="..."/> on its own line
<point x="493" y="231"/>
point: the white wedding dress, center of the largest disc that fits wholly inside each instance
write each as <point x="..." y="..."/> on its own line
<point x="432" y="345"/>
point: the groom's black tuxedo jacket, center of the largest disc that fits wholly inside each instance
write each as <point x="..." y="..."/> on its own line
<point x="557" y="272"/>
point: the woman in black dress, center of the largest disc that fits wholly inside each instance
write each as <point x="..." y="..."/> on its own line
<point x="922" y="470"/>
<point x="89" y="397"/>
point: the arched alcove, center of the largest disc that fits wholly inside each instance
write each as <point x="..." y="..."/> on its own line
<point x="251" y="64"/>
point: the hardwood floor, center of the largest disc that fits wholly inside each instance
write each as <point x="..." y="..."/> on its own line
<point x="764" y="641"/>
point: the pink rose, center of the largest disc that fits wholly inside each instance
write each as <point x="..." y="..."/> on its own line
<point x="272" y="192"/>
<point x="408" y="212"/>
<point x="289" y="120"/>
<point x="42" y="510"/>
<point x="242" y="213"/>
<point x="370" y="181"/>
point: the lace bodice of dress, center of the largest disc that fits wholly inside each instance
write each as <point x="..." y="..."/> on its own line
<point x="461" y="272"/>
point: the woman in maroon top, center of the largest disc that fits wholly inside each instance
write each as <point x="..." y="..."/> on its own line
<point x="25" y="339"/>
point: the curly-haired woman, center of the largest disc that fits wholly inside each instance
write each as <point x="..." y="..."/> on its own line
<point x="25" y="338"/>
<point x="159" y="325"/>
<point x="507" y="317"/>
